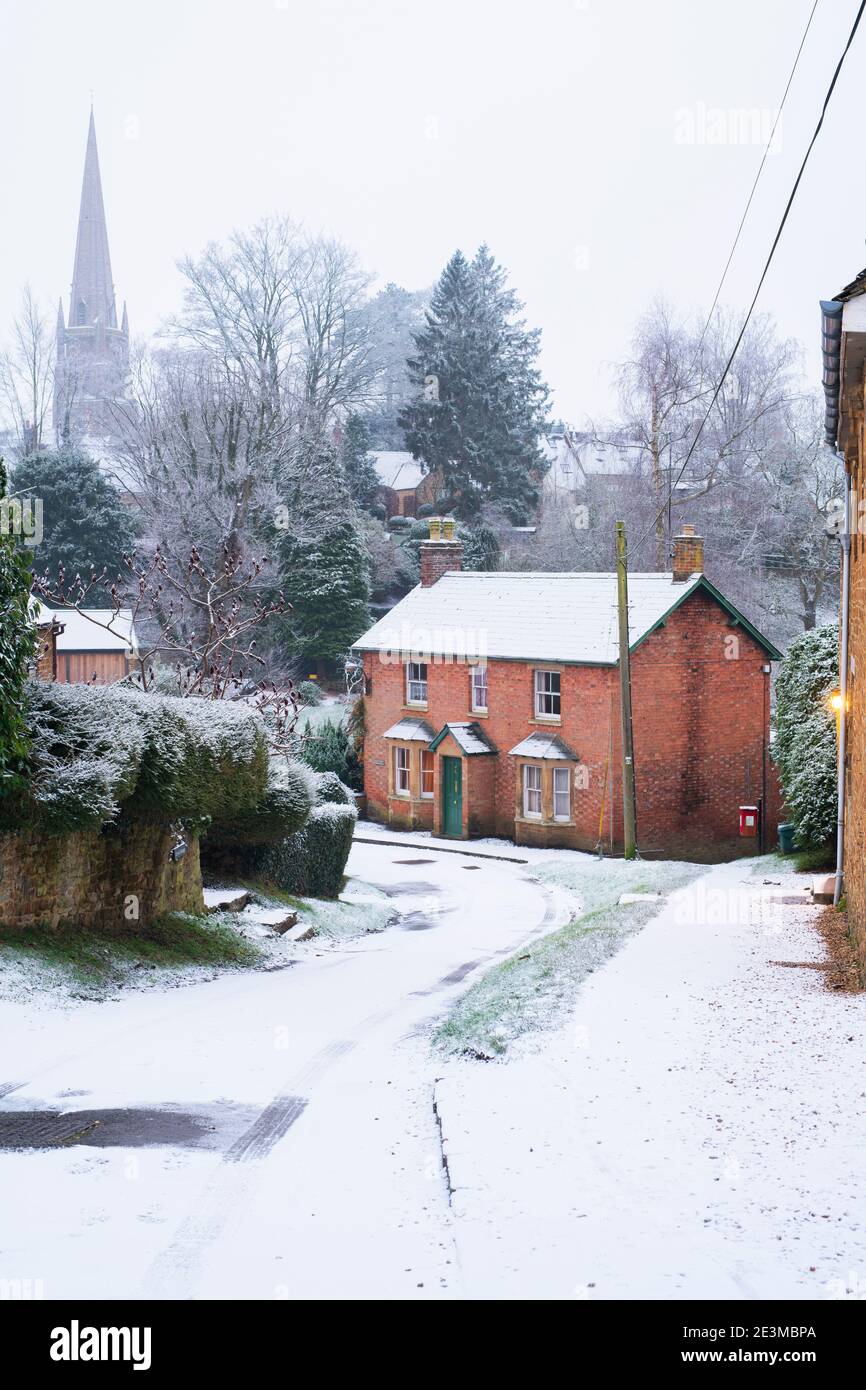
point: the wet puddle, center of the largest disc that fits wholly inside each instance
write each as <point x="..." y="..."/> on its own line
<point x="416" y="921"/>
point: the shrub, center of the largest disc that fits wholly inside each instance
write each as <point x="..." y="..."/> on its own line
<point x="329" y="788"/>
<point x="308" y="693"/>
<point x="289" y="796"/>
<point x="330" y="749"/>
<point x="311" y="860"/>
<point x="311" y="863"/>
<point x="805" y="744"/>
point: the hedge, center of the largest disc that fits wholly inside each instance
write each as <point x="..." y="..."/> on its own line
<point x="312" y="862"/>
<point x="101" y="752"/>
<point x="289" y="797"/>
<point x="805" y="743"/>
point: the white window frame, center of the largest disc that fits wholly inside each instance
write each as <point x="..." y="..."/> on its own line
<point x="479" y="683"/>
<point x="425" y="753"/>
<point x="402" y="770"/>
<point x="543" y="692"/>
<point x="531" y="774"/>
<point x="416" y="685"/>
<point x="559" y="773"/>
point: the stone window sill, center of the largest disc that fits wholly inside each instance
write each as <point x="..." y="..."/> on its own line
<point x="540" y="820"/>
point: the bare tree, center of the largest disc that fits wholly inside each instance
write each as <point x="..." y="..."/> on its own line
<point x="27" y="374"/>
<point x="666" y="387"/>
<point x="200" y="622"/>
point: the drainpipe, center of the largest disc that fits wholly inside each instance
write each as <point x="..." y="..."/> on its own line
<point x="845" y="542"/>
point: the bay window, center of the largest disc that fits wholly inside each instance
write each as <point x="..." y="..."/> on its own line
<point x="532" y="791"/>
<point x="427" y="772"/>
<point x="561" y="793"/>
<point x="401" y="772"/>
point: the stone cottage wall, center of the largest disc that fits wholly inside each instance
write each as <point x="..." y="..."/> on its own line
<point x="114" y="880"/>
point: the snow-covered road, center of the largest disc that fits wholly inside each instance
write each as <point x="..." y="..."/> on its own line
<point x="325" y="1179"/>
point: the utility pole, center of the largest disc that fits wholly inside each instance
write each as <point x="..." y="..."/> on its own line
<point x="628" y="806"/>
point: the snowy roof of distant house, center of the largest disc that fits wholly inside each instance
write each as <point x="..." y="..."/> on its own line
<point x="468" y="735"/>
<point x="543" y="745"/>
<point x="397" y="469"/>
<point x="83" y="629"/>
<point x="526" y="616"/>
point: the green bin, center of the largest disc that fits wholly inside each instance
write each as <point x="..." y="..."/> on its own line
<point x="786" y="837"/>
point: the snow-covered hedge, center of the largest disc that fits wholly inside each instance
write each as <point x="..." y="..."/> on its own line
<point x="805" y="744"/>
<point x="330" y="788"/>
<point x="288" y="798"/>
<point x="99" y="752"/>
<point x="310" y="858"/>
<point x="312" y="862"/>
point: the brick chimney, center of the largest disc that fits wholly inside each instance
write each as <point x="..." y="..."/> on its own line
<point x="442" y="552"/>
<point x="688" y="555"/>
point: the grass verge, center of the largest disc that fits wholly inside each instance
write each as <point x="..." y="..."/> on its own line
<point x="532" y="990"/>
<point x="92" y="960"/>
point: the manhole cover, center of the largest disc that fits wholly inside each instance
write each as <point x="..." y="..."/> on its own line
<point x="470" y="868"/>
<point x="414" y="861"/>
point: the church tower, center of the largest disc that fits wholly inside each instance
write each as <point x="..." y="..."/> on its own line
<point x="92" y="351"/>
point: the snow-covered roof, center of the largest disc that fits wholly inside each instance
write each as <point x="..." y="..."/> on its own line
<point x="468" y="735"/>
<point x="82" y="631"/>
<point x="543" y="745"/>
<point x="528" y="616"/>
<point x="410" y="730"/>
<point x="397" y="469"/>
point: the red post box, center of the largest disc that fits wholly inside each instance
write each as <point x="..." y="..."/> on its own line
<point x="749" y="820"/>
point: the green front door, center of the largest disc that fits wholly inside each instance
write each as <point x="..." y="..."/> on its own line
<point x="452" y="796"/>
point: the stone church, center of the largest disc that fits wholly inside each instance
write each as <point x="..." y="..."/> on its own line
<point x="92" y="348"/>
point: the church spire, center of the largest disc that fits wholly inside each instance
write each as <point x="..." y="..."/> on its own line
<point x="92" y="298"/>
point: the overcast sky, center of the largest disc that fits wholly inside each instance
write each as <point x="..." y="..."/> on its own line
<point x="571" y="135"/>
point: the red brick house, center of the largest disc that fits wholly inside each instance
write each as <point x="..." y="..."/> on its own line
<point x="492" y="708"/>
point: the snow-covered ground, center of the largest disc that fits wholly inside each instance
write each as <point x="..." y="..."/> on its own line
<point x="695" y="1129"/>
<point x="324" y="1178"/>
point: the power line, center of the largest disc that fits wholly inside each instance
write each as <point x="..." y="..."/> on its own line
<point x="757" y="176"/>
<point x="760" y="285"/>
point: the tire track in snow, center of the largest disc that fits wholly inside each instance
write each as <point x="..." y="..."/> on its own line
<point x="174" y="1271"/>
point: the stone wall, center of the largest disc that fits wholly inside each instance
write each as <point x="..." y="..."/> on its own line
<point x="114" y="880"/>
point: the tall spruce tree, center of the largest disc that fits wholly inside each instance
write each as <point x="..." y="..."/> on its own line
<point x="85" y="524"/>
<point x="481" y="403"/>
<point x="324" y="571"/>
<point x="362" y="479"/>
